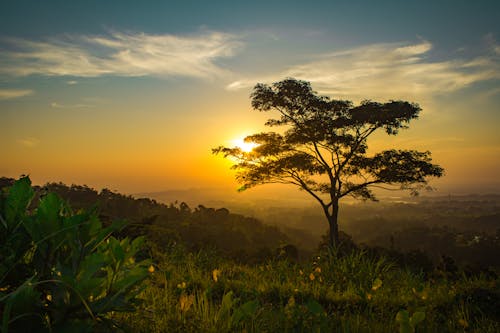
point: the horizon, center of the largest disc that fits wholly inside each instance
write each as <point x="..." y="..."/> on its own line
<point x="132" y="98"/>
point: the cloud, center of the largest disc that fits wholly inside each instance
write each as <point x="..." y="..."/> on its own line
<point x="14" y="93"/>
<point x="70" y="106"/>
<point x="29" y="142"/>
<point x="119" y="54"/>
<point x="382" y="71"/>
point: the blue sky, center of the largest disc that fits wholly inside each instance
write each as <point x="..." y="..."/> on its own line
<point x="84" y="85"/>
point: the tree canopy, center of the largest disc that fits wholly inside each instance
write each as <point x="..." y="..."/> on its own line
<point x="323" y="147"/>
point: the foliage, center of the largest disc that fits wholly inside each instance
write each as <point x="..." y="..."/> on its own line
<point x="61" y="270"/>
<point x="324" y="149"/>
<point x="332" y="292"/>
<point x="408" y="323"/>
<point x="336" y="290"/>
<point x="233" y="235"/>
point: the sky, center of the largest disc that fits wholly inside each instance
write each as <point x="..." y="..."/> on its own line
<point x="132" y="95"/>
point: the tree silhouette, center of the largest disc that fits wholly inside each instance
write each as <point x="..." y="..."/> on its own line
<point x="324" y="147"/>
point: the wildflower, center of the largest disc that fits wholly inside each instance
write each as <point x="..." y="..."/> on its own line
<point x="318" y="269"/>
<point x="289" y="307"/>
<point x="300" y="272"/>
<point x="369" y="296"/>
<point x="151" y="269"/>
<point x="215" y="274"/>
<point x="49" y="297"/>
<point x="376" y="284"/>
<point x="311" y="277"/>
<point x="182" y="285"/>
<point x="296" y="290"/>
<point x="185" y="302"/>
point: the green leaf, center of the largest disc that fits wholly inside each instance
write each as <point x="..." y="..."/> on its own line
<point x="21" y="308"/>
<point x="116" y="247"/>
<point x="314" y="307"/>
<point x="246" y="310"/>
<point x="227" y="304"/>
<point x="137" y="244"/>
<point x="417" y="317"/>
<point x="250" y="307"/>
<point x="405" y="327"/>
<point x="48" y="215"/>
<point x="402" y="316"/>
<point x="18" y="200"/>
<point x="130" y="279"/>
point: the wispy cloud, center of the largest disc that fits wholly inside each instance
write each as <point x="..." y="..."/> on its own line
<point x="380" y="71"/>
<point x="14" y="93"/>
<point x="57" y="105"/>
<point x="120" y="54"/>
<point x="29" y="142"/>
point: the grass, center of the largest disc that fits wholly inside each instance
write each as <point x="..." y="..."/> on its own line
<point x="201" y="292"/>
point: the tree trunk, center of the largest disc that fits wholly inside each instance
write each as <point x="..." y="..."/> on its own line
<point x="333" y="223"/>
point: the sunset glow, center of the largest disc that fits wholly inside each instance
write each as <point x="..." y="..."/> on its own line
<point x="135" y="99"/>
<point x="246" y="146"/>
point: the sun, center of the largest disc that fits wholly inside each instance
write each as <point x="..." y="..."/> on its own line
<point x="244" y="146"/>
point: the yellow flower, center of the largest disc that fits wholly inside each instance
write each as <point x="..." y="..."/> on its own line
<point x="368" y="296"/>
<point x="49" y="297"/>
<point x="151" y="269"/>
<point x="377" y="284"/>
<point x="185" y="302"/>
<point x="215" y="274"/>
<point x="300" y="272"/>
<point x="182" y="285"/>
<point x="311" y="277"/>
<point x="318" y="269"/>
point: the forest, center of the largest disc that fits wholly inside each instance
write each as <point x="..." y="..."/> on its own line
<point x="425" y="266"/>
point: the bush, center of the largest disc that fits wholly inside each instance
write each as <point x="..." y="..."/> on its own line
<point x="60" y="270"/>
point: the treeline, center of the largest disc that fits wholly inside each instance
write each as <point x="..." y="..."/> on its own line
<point x="421" y="235"/>
<point x="465" y="228"/>
<point x="235" y="236"/>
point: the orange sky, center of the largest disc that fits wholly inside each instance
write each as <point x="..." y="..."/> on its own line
<point x="133" y="101"/>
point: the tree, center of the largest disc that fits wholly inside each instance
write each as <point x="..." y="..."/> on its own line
<point x="324" y="148"/>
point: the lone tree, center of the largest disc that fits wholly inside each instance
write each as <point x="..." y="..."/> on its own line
<point x="323" y="150"/>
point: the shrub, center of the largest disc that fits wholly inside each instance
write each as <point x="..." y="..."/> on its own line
<point x="61" y="270"/>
